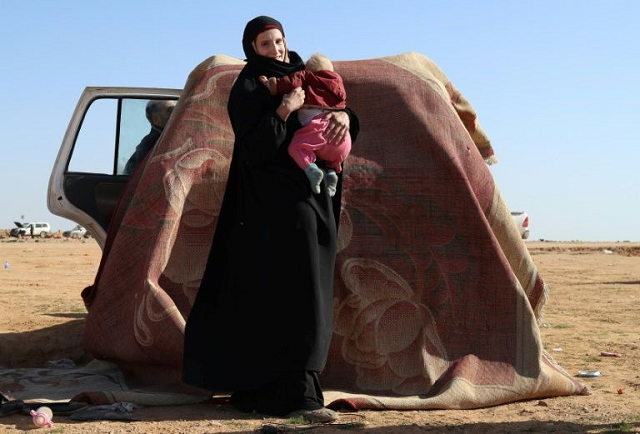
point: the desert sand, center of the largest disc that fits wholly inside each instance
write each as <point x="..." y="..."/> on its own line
<point x="594" y="307"/>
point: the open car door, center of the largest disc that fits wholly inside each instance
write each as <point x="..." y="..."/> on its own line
<point x="88" y="176"/>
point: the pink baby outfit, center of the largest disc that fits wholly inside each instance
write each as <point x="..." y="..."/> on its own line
<point x="308" y="144"/>
<point x="324" y="92"/>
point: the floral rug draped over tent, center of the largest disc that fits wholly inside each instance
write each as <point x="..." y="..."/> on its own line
<point x="436" y="297"/>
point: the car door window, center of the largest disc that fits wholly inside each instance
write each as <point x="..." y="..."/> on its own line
<point x="111" y="130"/>
<point x="134" y="126"/>
<point x="93" y="151"/>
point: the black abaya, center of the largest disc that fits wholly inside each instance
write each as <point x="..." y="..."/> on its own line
<point x="263" y="315"/>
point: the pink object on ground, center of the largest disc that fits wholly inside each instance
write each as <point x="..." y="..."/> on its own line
<point x="42" y="417"/>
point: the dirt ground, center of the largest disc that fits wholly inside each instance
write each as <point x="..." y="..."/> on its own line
<point x="594" y="307"/>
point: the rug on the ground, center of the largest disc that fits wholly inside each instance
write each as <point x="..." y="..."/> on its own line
<point x="97" y="383"/>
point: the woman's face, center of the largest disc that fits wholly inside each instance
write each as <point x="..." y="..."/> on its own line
<point x="270" y="43"/>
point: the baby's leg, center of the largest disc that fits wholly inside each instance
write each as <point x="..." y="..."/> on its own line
<point x="315" y="175"/>
<point x="301" y="152"/>
<point x="306" y="141"/>
<point x="332" y="182"/>
<point x="334" y="155"/>
<point x="304" y="144"/>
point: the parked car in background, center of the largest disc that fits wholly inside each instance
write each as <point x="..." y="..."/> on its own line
<point x="34" y="229"/>
<point x="77" y="232"/>
<point x="19" y="230"/>
<point x="521" y="219"/>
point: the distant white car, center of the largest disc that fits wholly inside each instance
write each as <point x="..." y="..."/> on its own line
<point x="77" y="232"/>
<point x="521" y="219"/>
<point x="35" y="229"/>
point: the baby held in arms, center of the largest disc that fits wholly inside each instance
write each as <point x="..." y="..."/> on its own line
<point x="324" y="92"/>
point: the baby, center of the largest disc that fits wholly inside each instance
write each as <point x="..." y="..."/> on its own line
<point x="324" y="92"/>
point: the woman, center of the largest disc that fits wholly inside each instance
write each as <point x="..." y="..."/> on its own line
<point x="262" y="321"/>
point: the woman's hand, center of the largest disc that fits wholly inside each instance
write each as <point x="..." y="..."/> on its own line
<point x="290" y="103"/>
<point x="338" y="127"/>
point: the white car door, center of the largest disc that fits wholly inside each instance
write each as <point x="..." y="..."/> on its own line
<point x="88" y="175"/>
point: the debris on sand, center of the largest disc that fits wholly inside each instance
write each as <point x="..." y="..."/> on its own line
<point x="610" y="354"/>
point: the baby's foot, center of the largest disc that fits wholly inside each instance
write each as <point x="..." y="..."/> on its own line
<point x="332" y="182"/>
<point x="315" y="175"/>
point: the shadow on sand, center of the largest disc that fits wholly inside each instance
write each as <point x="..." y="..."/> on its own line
<point x="34" y="348"/>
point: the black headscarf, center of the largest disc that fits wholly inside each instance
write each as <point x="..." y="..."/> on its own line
<point x="249" y="99"/>
<point x="264" y="65"/>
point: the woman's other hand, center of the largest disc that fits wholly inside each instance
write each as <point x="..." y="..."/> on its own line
<point x="290" y="103"/>
<point x="338" y="127"/>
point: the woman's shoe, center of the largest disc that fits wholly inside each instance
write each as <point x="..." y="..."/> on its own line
<point x="321" y="415"/>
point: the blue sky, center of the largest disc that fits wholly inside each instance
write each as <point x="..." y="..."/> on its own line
<point x="555" y="84"/>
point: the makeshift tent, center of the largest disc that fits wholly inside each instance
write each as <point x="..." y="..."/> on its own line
<point x="436" y="297"/>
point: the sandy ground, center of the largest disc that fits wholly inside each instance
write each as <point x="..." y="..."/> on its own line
<point x="594" y="307"/>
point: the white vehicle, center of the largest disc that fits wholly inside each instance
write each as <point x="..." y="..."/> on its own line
<point x="88" y="176"/>
<point x="77" y="232"/>
<point x="521" y="219"/>
<point x="35" y="229"/>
